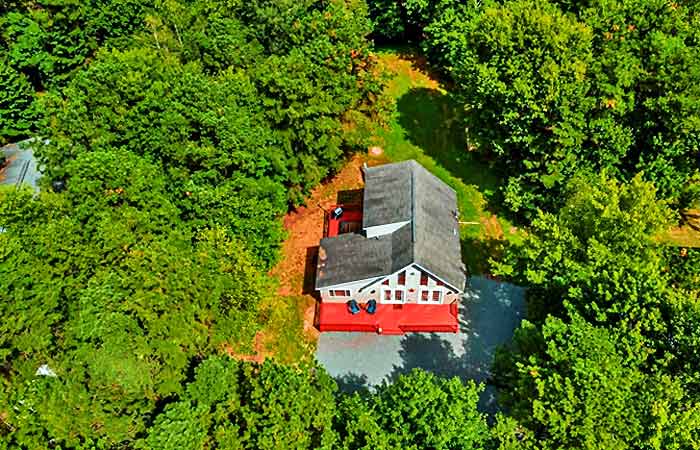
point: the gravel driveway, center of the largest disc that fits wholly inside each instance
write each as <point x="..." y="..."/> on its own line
<point x="489" y="314"/>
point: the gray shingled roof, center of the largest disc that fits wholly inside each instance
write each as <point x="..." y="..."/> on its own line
<point x="387" y="196"/>
<point x="398" y="192"/>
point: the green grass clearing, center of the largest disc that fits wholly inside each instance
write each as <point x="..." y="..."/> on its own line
<point x="426" y="125"/>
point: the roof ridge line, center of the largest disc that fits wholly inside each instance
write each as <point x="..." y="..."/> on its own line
<point x="413" y="207"/>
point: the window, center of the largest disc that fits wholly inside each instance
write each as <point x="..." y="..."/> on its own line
<point x="386" y="282"/>
<point x="398" y="296"/>
<point x="402" y="278"/>
<point x="436" y="296"/>
<point x="387" y="295"/>
<point x="423" y="279"/>
<point x="340" y="293"/>
<point x="424" y="296"/>
<point x="440" y="283"/>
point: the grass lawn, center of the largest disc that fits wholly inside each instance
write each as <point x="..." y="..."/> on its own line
<point x="426" y="125"/>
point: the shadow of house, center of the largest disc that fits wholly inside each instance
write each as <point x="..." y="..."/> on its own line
<point x="309" y="283"/>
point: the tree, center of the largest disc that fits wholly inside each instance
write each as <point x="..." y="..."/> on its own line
<point x="597" y="255"/>
<point x="249" y="406"/>
<point x="418" y="410"/>
<point x="118" y="305"/>
<point x="219" y="156"/>
<point x="521" y="72"/>
<point x="48" y="40"/>
<point x="589" y="387"/>
<point x="17" y="108"/>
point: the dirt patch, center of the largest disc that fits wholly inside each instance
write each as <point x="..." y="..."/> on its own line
<point x="305" y="229"/>
<point x="375" y="150"/>
<point x="258" y="355"/>
<point x="412" y="65"/>
<point x="492" y="227"/>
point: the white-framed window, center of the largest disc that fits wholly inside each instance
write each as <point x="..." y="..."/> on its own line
<point x="433" y="296"/>
<point x="339" y="293"/>
<point x="424" y="296"/>
<point x="393" y="295"/>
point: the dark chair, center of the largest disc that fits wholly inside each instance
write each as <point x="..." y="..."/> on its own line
<point x="353" y="307"/>
<point x="371" y="307"/>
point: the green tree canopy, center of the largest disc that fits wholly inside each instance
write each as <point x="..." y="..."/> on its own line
<point x="588" y="387"/>
<point x="416" y="411"/>
<point x="249" y="406"/>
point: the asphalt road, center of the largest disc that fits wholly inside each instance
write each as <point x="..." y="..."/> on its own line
<point x="489" y="314"/>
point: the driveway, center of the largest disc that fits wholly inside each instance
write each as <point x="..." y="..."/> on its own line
<point x="490" y="312"/>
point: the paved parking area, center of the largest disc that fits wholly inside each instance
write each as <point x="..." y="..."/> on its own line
<point x="489" y="314"/>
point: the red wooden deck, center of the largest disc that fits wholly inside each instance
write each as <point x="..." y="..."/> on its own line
<point x="351" y="215"/>
<point x="390" y="319"/>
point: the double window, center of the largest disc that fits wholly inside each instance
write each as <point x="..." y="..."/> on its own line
<point x="394" y="295"/>
<point x="427" y="296"/>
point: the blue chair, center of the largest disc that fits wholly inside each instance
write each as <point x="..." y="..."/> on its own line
<point x="353" y="307"/>
<point x="371" y="307"/>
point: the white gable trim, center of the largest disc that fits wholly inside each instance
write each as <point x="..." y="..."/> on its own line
<point x="381" y="279"/>
<point x="351" y="283"/>
<point x="459" y="291"/>
<point x="381" y="230"/>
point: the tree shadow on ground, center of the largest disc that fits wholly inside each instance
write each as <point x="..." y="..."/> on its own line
<point x="488" y="318"/>
<point x="434" y="121"/>
<point x="477" y="251"/>
<point x="429" y="352"/>
<point x="352" y="382"/>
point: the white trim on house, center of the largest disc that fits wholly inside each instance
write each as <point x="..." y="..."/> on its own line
<point x="350" y="284"/>
<point x="381" y="230"/>
<point x="381" y="279"/>
<point x="448" y="285"/>
<point x="332" y="291"/>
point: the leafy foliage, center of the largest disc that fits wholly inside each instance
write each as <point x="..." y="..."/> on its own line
<point x="118" y="305"/>
<point x="622" y="344"/>
<point x="242" y="405"/>
<point x="418" y="410"/>
<point x="588" y="387"/>
<point x="596" y="254"/>
<point x="17" y="107"/>
<point x="609" y="85"/>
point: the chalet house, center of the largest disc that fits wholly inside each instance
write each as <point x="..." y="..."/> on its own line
<point x="398" y="252"/>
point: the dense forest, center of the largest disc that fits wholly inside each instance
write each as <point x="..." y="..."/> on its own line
<point x="176" y="135"/>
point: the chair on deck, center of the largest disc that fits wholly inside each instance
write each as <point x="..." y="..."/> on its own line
<point x="371" y="307"/>
<point x="353" y="307"/>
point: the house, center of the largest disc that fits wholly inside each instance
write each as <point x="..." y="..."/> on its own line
<point x="401" y="248"/>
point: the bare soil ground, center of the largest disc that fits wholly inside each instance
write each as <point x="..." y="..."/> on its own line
<point x="305" y="228"/>
<point x="289" y="333"/>
<point x="688" y="234"/>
